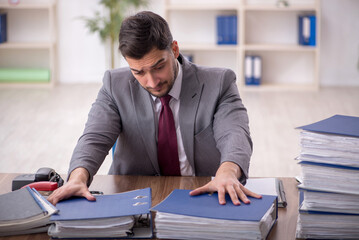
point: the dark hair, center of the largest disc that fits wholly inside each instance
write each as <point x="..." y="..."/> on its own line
<point x="140" y="33"/>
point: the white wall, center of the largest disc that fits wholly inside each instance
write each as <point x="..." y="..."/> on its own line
<point x="340" y="43"/>
<point x="82" y="57"/>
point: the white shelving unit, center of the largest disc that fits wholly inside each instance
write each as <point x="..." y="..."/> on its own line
<point x="286" y="64"/>
<point x="31" y="39"/>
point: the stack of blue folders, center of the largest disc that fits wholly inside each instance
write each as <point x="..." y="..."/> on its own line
<point x="227" y="30"/>
<point x="181" y="216"/>
<point x="121" y="215"/>
<point x="329" y="161"/>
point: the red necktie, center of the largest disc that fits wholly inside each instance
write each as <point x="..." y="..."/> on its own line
<point x="167" y="141"/>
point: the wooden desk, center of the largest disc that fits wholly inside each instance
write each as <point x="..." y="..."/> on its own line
<point x="162" y="186"/>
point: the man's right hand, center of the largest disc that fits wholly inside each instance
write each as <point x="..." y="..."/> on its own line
<point x="76" y="186"/>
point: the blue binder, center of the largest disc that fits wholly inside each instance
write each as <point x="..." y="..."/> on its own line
<point x="337" y="124"/>
<point x="307" y="30"/>
<point x="203" y="217"/>
<point x="207" y="206"/>
<point x="133" y="203"/>
<point x="226" y="30"/>
<point x="248" y="70"/>
<point x="257" y="70"/>
<point x="3" y="28"/>
<point x="253" y="70"/>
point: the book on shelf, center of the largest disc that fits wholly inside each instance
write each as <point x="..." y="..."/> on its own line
<point x="253" y="70"/>
<point x="329" y="191"/>
<point x="181" y="216"/>
<point x="122" y="215"/>
<point x="3" y="27"/>
<point x="307" y="30"/>
<point x="226" y="30"/>
<point x="24" y="211"/>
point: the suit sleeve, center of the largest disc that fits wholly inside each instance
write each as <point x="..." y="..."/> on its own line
<point x="230" y="125"/>
<point x="101" y="131"/>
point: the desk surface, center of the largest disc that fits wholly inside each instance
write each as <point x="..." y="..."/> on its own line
<point x="162" y="186"/>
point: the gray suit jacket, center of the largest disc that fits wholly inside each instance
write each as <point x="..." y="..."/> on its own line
<point x="213" y="120"/>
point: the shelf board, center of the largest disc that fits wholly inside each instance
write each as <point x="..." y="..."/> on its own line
<point x="279" y="47"/>
<point x="199" y="7"/>
<point x="278" y="87"/>
<point x="206" y="47"/>
<point x="24" y="45"/>
<point x="27" y="6"/>
<point x="283" y="9"/>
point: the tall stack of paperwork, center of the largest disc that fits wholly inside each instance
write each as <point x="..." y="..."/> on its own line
<point x="329" y="161"/>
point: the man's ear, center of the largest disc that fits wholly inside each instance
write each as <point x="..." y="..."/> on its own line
<point x="175" y="49"/>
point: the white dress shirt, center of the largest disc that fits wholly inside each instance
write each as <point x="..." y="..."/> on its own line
<point x="186" y="169"/>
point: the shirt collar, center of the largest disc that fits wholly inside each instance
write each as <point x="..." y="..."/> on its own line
<point x="176" y="88"/>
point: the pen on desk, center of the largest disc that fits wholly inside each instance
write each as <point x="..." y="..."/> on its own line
<point x="96" y="192"/>
<point x="282" y="193"/>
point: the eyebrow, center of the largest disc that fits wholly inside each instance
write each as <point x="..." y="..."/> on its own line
<point x="153" y="66"/>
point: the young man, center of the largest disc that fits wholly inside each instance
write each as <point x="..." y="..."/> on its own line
<point x="202" y="130"/>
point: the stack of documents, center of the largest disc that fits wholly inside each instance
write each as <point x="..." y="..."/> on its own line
<point x="24" y="211"/>
<point x="181" y="216"/>
<point x="122" y="215"/>
<point x="329" y="161"/>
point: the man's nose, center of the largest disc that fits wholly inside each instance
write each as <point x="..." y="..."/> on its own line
<point x="152" y="81"/>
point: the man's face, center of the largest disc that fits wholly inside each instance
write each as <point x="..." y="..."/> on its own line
<point x="157" y="70"/>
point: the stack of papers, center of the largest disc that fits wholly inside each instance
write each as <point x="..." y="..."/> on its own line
<point x="329" y="161"/>
<point x="110" y="216"/>
<point x="24" y="211"/>
<point x="181" y="216"/>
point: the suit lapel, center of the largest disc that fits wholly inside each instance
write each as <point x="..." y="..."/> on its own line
<point x="145" y="118"/>
<point x="189" y="99"/>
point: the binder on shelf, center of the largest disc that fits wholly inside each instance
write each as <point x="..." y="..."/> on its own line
<point x="227" y="30"/>
<point x="253" y="70"/>
<point x="257" y="70"/>
<point x="122" y="215"/>
<point x="24" y="211"/>
<point x="248" y="70"/>
<point x="181" y="216"/>
<point x="307" y="30"/>
<point x="3" y="27"/>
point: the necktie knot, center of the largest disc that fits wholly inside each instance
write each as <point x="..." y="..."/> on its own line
<point x="165" y="99"/>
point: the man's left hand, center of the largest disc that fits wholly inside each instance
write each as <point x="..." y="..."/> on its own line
<point x="226" y="181"/>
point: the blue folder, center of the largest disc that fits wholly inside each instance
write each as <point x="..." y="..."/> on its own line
<point x="337" y="124"/>
<point x="3" y="28"/>
<point x="132" y="203"/>
<point x="307" y="25"/>
<point x="105" y="206"/>
<point x="207" y="206"/>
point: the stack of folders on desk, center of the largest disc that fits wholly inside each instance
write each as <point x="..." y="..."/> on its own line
<point x="24" y="211"/>
<point x="122" y="215"/>
<point x="329" y="161"/>
<point x="181" y="216"/>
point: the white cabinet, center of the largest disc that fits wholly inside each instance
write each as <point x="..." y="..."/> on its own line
<point x="263" y="29"/>
<point x="31" y="40"/>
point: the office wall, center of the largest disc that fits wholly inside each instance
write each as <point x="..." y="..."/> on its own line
<point x="340" y="43"/>
<point x="82" y="56"/>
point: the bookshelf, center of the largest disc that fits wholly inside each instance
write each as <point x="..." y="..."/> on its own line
<point x="31" y="40"/>
<point x="263" y="29"/>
